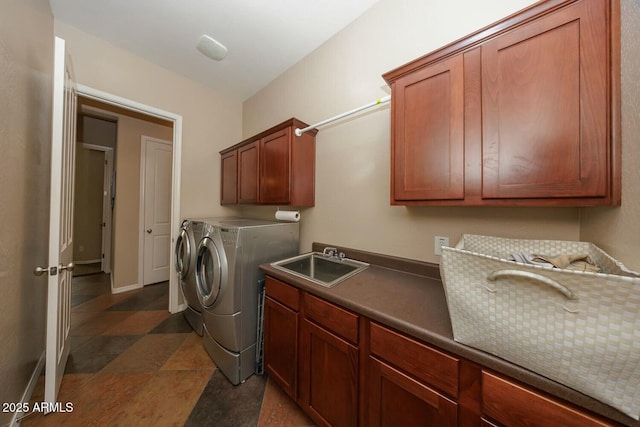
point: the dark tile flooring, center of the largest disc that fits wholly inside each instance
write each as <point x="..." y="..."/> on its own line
<point x="132" y="363"/>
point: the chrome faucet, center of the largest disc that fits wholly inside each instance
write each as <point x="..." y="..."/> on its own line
<point x="332" y="252"/>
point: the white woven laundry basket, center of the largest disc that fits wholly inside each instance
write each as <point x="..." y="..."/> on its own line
<point x="580" y="329"/>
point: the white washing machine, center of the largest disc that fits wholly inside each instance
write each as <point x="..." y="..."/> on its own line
<point x="227" y="276"/>
<point x="185" y="253"/>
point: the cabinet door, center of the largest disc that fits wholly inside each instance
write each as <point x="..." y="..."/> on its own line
<point x="513" y="405"/>
<point x="395" y="399"/>
<point x="229" y="178"/>
<point x="275" y="168"/>
<point x="545" y="96"/>
<point x="281" y="345"/>
<point x="248" y="163"/>
<point x="329" y="377"/>
<point x="428" y="133"/>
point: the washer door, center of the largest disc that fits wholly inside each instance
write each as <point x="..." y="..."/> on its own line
<point x="182" y="256"/>
<point x="210" y="271"/>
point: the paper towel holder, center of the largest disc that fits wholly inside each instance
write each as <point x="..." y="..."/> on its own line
<point x="293" y="216"/>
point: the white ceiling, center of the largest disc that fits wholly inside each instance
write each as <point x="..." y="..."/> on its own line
<point x="264" y="37"/>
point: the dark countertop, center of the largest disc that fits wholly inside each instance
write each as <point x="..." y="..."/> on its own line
<point x="408" y="296"/>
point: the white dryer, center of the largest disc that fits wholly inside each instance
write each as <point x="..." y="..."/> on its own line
<point x="227" y="276"/>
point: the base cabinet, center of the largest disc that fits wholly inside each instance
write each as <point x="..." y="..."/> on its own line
<point x="329" y="377"/>
<point x="281" y="345"/>
<point x="281" y="306"/>
<point x="311" y="351"/>
<point x="396" y="399"/>
<point x="343" y="369"/>
<point x="511" y="404"/>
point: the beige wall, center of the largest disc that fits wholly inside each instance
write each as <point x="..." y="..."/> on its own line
<point x="127" y="205"/>
<point x="617" y="230"/>
<point x="353" y="155"/>
<point x="210" y="121"/>
<point x="97" y="132"/>
<point x="87" y="205"/>
<point x="26" y="64"/>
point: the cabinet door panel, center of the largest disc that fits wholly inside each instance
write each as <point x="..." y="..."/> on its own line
<point x="275" y="171"/>
<point x="229" y="178"/>
<point x="545" y="102"/>
<point x="422" y="361"/>
<point x="515" y="405"/>
<point x="428" y="134"/>
<point x="248" y="158"/>
<point x="396" y="399"/>
<point x="330" y="377"/>
<point x="281" y="345"/>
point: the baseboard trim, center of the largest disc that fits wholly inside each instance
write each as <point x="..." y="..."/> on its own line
<point x="31" y="385"/>
<point x="122" y="289"/>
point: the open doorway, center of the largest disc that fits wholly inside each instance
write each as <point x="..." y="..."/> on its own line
<point x="93" y="208"/>
<point x="125" y="193"/>
<point x="96" y="137"/>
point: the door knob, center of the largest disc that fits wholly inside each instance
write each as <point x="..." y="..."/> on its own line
<point x="39" y="271"/>
<point x="68" y="267"/>
<point x="149" y="230"/>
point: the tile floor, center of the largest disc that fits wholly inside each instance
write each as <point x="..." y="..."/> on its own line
<point x="132" y="363"/>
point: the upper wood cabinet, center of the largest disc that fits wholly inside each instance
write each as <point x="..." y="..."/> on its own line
<point x="248" y="170"/>
<point x="275" y="184"/>
<point x="428" y="153"/>
<point x="523" y="112"/>
<point x="273" y="167"/>
<point x="229" y="178"/>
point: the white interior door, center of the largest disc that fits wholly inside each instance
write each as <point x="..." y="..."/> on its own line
<point x="61" y="221"/>
<point x="158" y="161"/>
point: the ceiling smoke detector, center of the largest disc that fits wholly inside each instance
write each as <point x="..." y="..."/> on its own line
<point x="211" y="48"/>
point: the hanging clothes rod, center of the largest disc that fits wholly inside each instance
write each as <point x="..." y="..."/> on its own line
<point x="382" y="100"/>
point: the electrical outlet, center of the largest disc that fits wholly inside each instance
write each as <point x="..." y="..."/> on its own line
<point x="438" y="243"/>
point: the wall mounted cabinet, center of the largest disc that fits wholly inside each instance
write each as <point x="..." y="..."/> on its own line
<point x="248" y="171"/>
<point x="523" y="112"/>
<point x="229" y="178"/>
<point x="273" y="167"/>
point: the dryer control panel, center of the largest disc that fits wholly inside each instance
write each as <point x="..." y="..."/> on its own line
<point x="229" y="236"/>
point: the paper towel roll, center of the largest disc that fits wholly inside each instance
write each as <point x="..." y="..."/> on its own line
<point x="288" y="215"/>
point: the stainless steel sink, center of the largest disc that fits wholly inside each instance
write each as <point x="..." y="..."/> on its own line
<point x="319" y="268"/>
